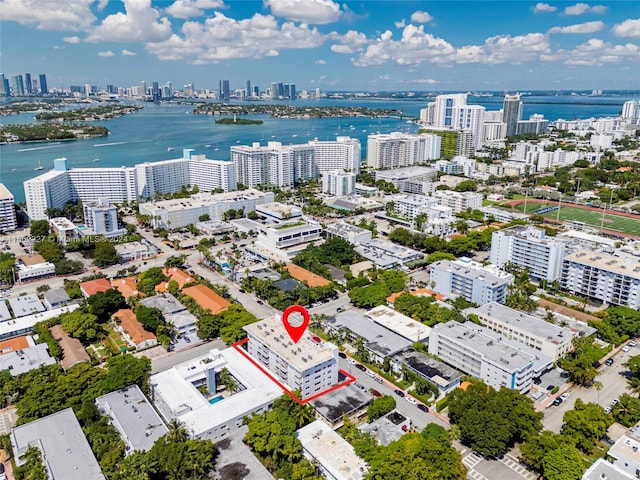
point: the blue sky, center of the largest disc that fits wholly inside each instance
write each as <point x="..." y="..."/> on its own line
<point x="359" y="45"/>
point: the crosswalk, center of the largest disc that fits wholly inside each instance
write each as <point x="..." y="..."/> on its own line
<point x="473" y="459"/>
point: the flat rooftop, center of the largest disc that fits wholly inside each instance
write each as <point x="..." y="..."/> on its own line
<point x="4" y="311"/>
<point x="279" y="210"/>
<point x="331" y="451"/>
<point x="438" y="372"/>
<point x="133" y="416"/>
<point x="181" y="399"/>
<point x="344" y="401"/>
<point x="165" y="302"/>
<point x="391" y="249"/>
<point x="377" y="338"/>
<point x="625" y="449"/>
<point x="272" y="333"/>
<point x="603" y="470"/>
<point x="404" y="326"/>
<point x="204" y="200"/>
<point x="26" y="305"/>
<point x="620" y="265"/>
<point x="405" y="173"/>
<point x="25" y="359"/>
<point x="471" y="272"/>
<point x="515" y="318"/>
<point x="63" y="445"/>
<point x="473" y="337"/>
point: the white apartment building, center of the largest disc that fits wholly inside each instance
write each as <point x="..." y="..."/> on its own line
<point x="35" y="271"/>
<point x="469" y="280"/>
<point x="601" y="141"/>
<point x="101" y="218"/>
<point x="338" y="183"/>
<point x="549" y="339"/>
<point x="351" y="233"/>
<point x="284" y="165"/>
<point x="530" y="248"/>
<point x="179" y="212"/>
<point x="386" y="254"/>
<point x="283" y="237"/>
<point x="610" y="279"/>
<point x="63" y="184"/>
<point x="343" y="153"/>
<point x="64" y="229"/>
<point x="438" y="218"/>
<point x="476" y="352"/>
<point x="415" y="179"/>
<point x="400" y="149"/>
<point x="8" y="221"/>
<point x="410" y="206"/>
<point x="459" y="201"/>
<point x="309" y="366"/>
<point x="631" y="109"/>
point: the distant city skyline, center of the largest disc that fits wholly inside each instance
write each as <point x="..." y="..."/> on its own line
<point x="370" y="46"/>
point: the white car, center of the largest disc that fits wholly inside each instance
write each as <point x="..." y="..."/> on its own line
<point x="607" y="409"/>
<point x="351" y="361"/>
<point x="614" y="401"/>
<point x="632" y="344"/>
<point x="626" y="348"/>
<point x="411" y="400"/>
<point x="370" y="373"/>
<point x="564" y="396"/>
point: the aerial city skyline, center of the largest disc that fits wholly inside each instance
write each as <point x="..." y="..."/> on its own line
<point x="327" y="45"/>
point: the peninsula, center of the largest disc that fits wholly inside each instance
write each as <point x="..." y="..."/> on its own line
<point x="49" y="131"/>
<point x="103" y="112"/>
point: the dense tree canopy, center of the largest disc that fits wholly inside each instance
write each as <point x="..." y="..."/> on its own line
<point x="105" y="304"/>
<point x="585" y="424"/>
<point x="380" y="407"/>
<point x="425" y="309"/>
<point x="82" y="325"/>
<point x="335" y="251"/>
<point x="227" y="325"/>
<point x="490" y="420"/>
<point x="105" y="254"/>
<point x="385" y="282"/>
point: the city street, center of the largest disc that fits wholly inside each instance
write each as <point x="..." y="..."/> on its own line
<point x="613" y="385"/>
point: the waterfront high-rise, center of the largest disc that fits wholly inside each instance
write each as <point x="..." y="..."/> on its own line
<point x="17" y="86"/>
<point x="27" y="84"/>
<point x="8" y="221"/>
<point x="443" y="114"/>
<point x="511" y="113"/>
<point x="223" y="90"/>
<point x="631" y="109"/>
<point x="5" y="90"/>
<point x="399" y="149"/>
<point x="247" y="89"/>
<point x="292" y="91"/>
<point x="43" y="84"/>
<point x="274" y="90"/>
<point x="155" y="91"/>
<point x="55" y="188"/>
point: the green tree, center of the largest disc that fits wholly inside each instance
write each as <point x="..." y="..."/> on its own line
<point x="39" y="228"/>
<point x="105" y="254"/>
<point x="563" y="463"/>
<point x="380" y="407"/>
<point x="105" y="304"/>
<point x="148" y="280"/>
<point x="82" y="325"/>
<point x="627" y="410"/>
<point x="585" y="424"/>
<point x="151" y="318"/>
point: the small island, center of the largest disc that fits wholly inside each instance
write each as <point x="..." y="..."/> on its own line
<point x="291" y="111"/>
<point x="49" y="132"/>
<point x="103" y="112"/>
<point x="238" y="121"/>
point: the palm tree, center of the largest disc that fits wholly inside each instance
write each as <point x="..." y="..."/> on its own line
<point x="598" y="386"/>
<point x="177" y="431"/>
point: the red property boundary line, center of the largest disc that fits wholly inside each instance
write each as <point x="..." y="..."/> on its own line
<point x="350" y="378"/>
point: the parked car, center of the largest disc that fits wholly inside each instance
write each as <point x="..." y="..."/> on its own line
<point x="626" y="348"/>
<point x="351" y="361"/>
<point x="557" y="401"/>
<point x="550" y="387"/>
<point x="340" y="309"/>
<point x="632" y="343"/>
<point x="607" y="409"/>
<point x="361" y="367"/>
<point x="379" y="380"/>
<point x="614" y="401"/>
<point x="375" y="393"/>
<point x="400" y="393"/>
<point x="370" y="373"/>
<point x="564" y="396"/>
<point x="537" y="381"/>
<point x="411" y="400"/>
<point x="423" y="407"/>
<point x="342" y="355"/>
<point x="609" y="362"/>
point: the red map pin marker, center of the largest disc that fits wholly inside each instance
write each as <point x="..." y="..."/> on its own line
<point x="295" y="332"/>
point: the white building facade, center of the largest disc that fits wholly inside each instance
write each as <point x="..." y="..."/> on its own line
<point x="338" y="183"/>
<point x="8" y="220"/>
<point x="400" y="149"/>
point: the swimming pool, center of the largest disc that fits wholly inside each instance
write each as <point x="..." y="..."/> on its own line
<point x="217" y="399"/>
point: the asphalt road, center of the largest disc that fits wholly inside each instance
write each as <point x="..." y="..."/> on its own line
<point x="419" y="418"/>
<point x="613" y="385"/>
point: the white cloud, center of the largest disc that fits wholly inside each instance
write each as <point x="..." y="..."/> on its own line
<point x="587" y="27"/>
<point x="192" y="8"/>
<point x="518" y="49"/>
<point x="429" y="81"/>
<point x="630" y="28"/>
<point x="141" y="22"/>
<point x="222" y="38"/>
<point x="420" y="17"/>
<point x="544" y="7"/>
<point x="108" y="53"/>
<point x="128" y="53"/>
<point x="317" y="12"/>
<point x="60" y="15"/>
<point x="595" y="52"/>
<point x="74" y="39"/>
<point x="400" y="24"/>
<point x="320" y="62"/>
<point x="580" y="8"/>
<point x="350" y="42"/>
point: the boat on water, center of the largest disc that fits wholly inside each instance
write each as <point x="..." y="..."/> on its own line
<point x="95" y="160"/>
<point x="39" y="167"/>
<point x="14" y="169"/>
<point x="207" y="146"/>
<point x="170" y="149"/>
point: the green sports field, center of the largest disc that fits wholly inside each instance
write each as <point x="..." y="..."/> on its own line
<point x="588" y="217"/>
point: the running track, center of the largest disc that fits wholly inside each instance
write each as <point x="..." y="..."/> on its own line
<point x="514" y="203"/>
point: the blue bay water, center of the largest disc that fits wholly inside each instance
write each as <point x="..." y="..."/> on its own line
<point x="147" y="135"/>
